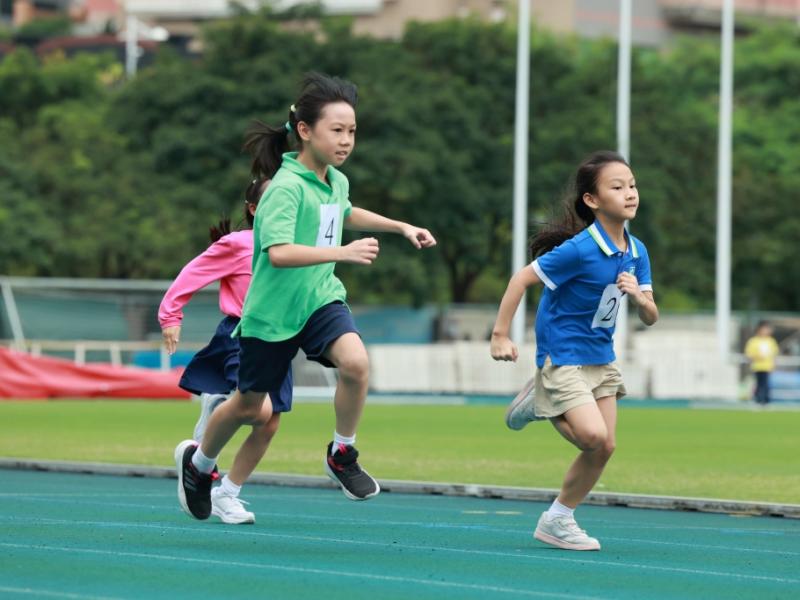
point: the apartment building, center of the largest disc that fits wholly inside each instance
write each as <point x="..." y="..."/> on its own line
<point x="655" y="22"/>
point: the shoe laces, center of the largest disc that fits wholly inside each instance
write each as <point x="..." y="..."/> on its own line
<point x="348" y="461"/>
<point x="236" y="500"/>
<point x="200" y="477"/>
<point x="571" y="525"/>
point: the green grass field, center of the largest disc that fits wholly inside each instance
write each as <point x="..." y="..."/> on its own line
<point x="740" y="455"/>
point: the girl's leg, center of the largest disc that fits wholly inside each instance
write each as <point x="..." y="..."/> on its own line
<point x="592" y="429"/>
<point x="225" y="502"/>
<point x="350" y="357"/>
<point x="243" y="408"/>
<point x="253" y="449"/>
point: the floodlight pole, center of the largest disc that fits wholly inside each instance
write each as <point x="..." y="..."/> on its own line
<point x="131" y="48"/>
<point x="623" y="139"/>
<point x="522" y="107"/>
<point x="724" y="184"/>
<point x="12" y="313"/>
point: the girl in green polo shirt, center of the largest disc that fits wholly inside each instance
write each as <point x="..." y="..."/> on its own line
<point x="295" y="300"/>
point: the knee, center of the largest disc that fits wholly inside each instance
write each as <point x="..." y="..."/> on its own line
<point x="592" y="439"/>
<point x="254" y="409"/>
<point x="355" y="369"/>
<point x="608" y="447"/>
<point x="269" y="427"/>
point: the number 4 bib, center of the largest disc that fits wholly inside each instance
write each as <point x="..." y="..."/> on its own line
<point x="606" y="315"/>
<point x="328" y="225"/>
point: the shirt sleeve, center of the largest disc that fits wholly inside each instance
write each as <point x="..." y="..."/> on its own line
<point x="212" y="265"/>
<point x="559" y="265"/>
<point x="348" y="206"/>
<point x="278" y="219"/>
<point x="643" y="275"/>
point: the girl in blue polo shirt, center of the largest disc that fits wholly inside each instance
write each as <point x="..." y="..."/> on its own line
<point x="588" y="263"/>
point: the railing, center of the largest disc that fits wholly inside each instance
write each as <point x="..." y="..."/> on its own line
<point x="79" y="348"/>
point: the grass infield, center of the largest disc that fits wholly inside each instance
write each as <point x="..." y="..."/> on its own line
<point x="739" y="455"/>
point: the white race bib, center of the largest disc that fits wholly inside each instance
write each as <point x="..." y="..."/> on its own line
<point x="606" y="315"/>
<point x="328" y="225"/>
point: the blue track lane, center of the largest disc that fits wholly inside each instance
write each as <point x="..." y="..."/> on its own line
<point x="89" y="536"/>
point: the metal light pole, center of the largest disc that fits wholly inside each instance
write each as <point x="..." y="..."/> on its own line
<point x="623" y="139"/>
<point x="520" y="228"/>
<point x="131" y="47"/>
<point x="724" y="186"/>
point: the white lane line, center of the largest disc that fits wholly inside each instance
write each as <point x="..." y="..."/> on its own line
<point x="45" y="495"/>
<point x="425" y="525"/>
<point x="706" y="546"/>
<point x="39" y="592"/>
<point x="792" y="528"/>
<point x="533" y="557"/>
<point x="308" y="571"/>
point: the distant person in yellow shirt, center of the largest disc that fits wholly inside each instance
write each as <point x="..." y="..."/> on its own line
<point x="761" y="350"/>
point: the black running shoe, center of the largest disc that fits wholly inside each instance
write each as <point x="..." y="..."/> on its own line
<point x="194" y="487"/>
<point x="344" y="469"/>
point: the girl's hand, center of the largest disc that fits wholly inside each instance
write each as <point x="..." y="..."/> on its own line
<point x="172" y="336"/>
<point x="628" y="284"/>
<point x="420" y="238"/>
<point x="360" y="252"/>
<point x="503" y="348"/>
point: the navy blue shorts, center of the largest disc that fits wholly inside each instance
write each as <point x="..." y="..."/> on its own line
<point x="263" y="364"/>
<point x="215" y="368"/>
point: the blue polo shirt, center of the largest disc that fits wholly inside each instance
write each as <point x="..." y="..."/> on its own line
<point x="578" y="310"/>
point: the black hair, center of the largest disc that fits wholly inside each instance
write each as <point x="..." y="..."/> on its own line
<point x="577" y="215"/>
<point x="267" y="144"/>
<point x="252" y="195"/>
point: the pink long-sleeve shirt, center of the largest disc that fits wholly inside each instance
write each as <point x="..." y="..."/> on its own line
<point x="229" y="261"/>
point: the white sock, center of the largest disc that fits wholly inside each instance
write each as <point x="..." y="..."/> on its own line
<point x="559" y="510"/>
<point x="341" y="439"/>
<point x="203" y="463"/>
<point x="229" y="488"/>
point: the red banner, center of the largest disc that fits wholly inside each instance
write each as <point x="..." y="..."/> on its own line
<point x="26" y="376"/>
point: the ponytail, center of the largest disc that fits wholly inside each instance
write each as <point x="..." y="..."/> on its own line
<point x="252" y="196"/>
<point x="577" y="215"/>
<point x="266" y="145"/>
<point x="223" y="228"/>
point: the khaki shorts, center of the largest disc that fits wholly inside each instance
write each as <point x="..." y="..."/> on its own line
<point x="559" y="389"/>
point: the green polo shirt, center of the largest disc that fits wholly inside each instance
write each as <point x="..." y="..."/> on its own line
<point x="297" y="208"/>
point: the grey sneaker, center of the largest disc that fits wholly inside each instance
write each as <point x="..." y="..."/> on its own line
<point x="520" y="411"/>
<point x="230" y="509"/>
<point x="563" y="532"/>
<point x="208" y="402"/>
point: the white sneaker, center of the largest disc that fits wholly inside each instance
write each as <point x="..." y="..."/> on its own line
<point x="520" y="411"/>
<point x="230" y="509"/>
<point x="208" y="402"/>
<point x="563" y="532"/>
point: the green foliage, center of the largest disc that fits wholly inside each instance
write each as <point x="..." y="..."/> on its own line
<point x="41" y="29"/>
<point x="104" y="178"/>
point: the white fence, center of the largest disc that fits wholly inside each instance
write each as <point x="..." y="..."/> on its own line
<point x="661" y="365"/>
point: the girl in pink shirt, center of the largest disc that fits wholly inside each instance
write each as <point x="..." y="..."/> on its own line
<point x="212" y="373"/>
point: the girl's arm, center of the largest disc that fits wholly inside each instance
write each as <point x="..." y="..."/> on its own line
<point x="215" y="263"/>
<point x="360" y="219"/>
<point x="502" y="347"/>
<point x="359" y="252"/>
<point x="210" y="266"/>
<point x="645" y="303"/>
